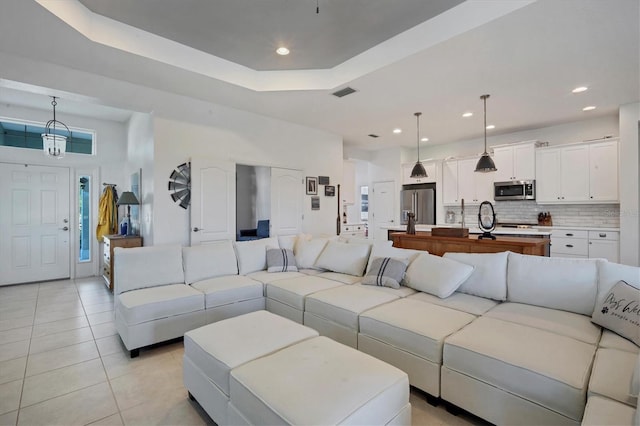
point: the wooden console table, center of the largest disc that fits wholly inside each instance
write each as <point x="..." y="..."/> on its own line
<point x="441" y="245"/>
<point x="111" y="242"/>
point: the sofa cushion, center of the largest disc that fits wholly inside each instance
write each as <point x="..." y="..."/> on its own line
<point x="564" y="323"/>
<point x="386" y="272"/>
<point x="340" y="277"/>
<point x="151" y="266"/>
<point x="612" y="375"/>
<point x="252" y="255"/>
<point x="610" y="273"/>
<point x="620" y="311"/>
<point x="489" y="276"/>
<point x="229" y="289"/>
<point x="287" y="241"/>
<point x="281" y="260"/>
<point x="209" y="260"/>
<point x="414" y="326"/>
<point x="635" y="380"/>
<point x="293" y="291"/>
<point x="543" y="367"/>
<point x="557" y="283"/>
<point x="402" y="291"/>
<point x="604" y="411"/>
<point x="344" y="258"/>
<point x="613" y="341"/>
<point x="308" y="251"/>
<point x="268" y="277"/>
<point x="459" y="301"/>
<point x="436" y="275"/>
<point x="344" y="304"/>
<point x="148" y="304"/>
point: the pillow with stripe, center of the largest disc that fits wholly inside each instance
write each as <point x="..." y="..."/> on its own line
<point x="281" y="260"/>
<point x="386" y="271"/>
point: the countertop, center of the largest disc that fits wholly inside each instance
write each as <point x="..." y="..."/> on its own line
<point x="535" y="230"/>
<point x="476" y="230"/>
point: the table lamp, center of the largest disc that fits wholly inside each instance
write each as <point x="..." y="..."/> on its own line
<point x="128" y="199"/>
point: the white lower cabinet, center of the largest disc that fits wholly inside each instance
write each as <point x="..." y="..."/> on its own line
<point x="604" y="245"/>
<point x="586" y="244"/>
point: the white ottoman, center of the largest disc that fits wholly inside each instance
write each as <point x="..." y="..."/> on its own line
<point x="319" y="382"/>
<point x="212" y="351"/>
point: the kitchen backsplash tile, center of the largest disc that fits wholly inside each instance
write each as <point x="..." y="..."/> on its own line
<point x="595" y="215"/>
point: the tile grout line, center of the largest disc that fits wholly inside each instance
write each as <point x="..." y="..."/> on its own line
<point x="104" y="368"/>
<point x="26" y="363"/>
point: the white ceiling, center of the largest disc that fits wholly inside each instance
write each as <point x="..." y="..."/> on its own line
<point x="528" y="60"/>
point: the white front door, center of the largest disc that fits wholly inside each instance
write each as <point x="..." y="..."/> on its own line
<point x="383" y="203"/>
<point x="35" y="224"/>
<point x="213" y="201"/>
<point x="286" y="202"/>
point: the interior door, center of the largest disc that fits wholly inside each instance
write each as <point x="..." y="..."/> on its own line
<point x="213" y="201"/>
<point x="383" y="202"/>
<point x="34" y="223"/>
<point x="287" y="188"/>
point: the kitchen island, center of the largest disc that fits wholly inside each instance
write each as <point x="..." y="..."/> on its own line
<point x="471" y="244"/>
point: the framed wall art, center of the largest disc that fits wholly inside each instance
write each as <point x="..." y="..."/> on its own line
<point x="315" y="203"/>
<point x="312" y="185"/>
<point x="329" y="191"/>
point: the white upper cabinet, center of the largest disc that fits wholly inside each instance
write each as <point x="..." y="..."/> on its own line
<point x="515" y="162"/>
<point x="581" y="173"/>
<point x="348" y="188"/>
<point x="450" y="182"/>
<point x="603" y="171"/>
<point x="460" y="181"/>
<point x="429" y="166"/>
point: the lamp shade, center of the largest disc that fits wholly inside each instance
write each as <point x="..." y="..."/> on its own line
<point x="486" y="164"/>
<point x="418" y="171"/>
<point x="128" y="198"/>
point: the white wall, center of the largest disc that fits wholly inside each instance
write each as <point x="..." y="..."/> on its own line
<point x="630" y="184"/>
<point x="223" y="133"/>
<point x="140" y="154"/>
<point x="105" y="166"/>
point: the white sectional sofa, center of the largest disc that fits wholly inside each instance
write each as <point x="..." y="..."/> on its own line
<point x="507" y="337"/>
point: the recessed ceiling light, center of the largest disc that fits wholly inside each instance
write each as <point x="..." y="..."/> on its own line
<point x="580" y="89"/>
<point x="589" y="108"/>
<point x="397" y="131"/>
<point x="282" y="51"/>
<point x="424" y="140"/>
<point x="491" y="127"/>
<point x="467" y="114"/>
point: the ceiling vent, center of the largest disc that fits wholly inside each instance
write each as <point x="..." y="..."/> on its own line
<point x="371" y="135"/>
<point x="344" y="92"/>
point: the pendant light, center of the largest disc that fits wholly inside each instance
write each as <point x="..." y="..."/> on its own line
<point x="485" y="163"/>
<point x="418" y="170"/>
<point x="53" y="144"/>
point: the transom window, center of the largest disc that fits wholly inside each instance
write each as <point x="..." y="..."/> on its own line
<point x="26" y="135"/>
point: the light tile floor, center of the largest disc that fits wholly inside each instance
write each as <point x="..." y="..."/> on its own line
<point x="62" y="363"/>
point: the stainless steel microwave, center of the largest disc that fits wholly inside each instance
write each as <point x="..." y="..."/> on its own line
<point x="514" y="190"/>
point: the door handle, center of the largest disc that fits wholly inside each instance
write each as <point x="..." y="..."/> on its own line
<point x="196" y="229"/>
<point x="66" y="228"/>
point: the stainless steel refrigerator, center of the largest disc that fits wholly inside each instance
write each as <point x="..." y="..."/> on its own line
<point x="421" y="200"/>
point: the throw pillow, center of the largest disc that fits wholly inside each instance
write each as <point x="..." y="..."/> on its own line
<point x="436" y="275"/>
<point x="385" y="249"/>
<point x="281" y="260"/>
<point x="208" y="261"/>
<point x="345" y="258"/>
<point x="386" y="271"/>
<point x="307" y="251"/>
<point x="619" y="311"/>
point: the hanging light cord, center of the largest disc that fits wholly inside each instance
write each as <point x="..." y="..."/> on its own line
<point x="418" y="114"/>
<point x="484" y="98"/>
<point x="317" y="7"/>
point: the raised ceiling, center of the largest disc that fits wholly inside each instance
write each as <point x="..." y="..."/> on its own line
<point x="528" y="58"/>
<point x="248" y="32"/>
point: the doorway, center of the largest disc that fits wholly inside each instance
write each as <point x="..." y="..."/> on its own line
<point x="383" y="205"/>
<point x="35" y="223"/>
